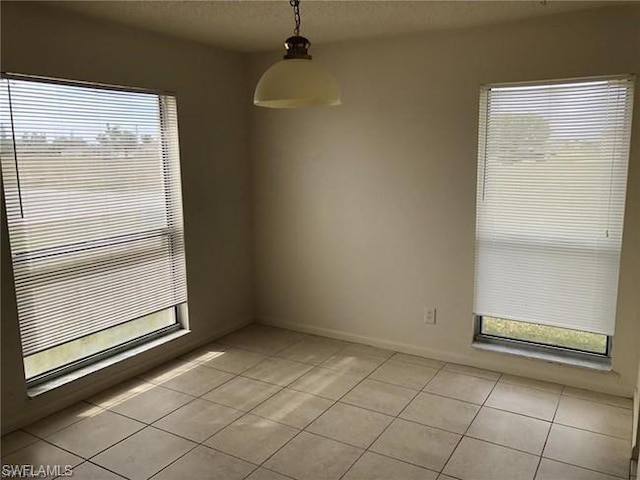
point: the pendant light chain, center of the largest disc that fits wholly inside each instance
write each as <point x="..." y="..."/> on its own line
<point x="296" y="15"/>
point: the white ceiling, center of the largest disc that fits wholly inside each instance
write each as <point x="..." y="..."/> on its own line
<point x="251" y="26"/>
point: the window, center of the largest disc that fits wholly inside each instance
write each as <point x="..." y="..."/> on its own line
<point x="552" y="175"/>
<point x="91" y="181"/>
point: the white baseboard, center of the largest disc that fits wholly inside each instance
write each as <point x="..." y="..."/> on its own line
<point x="605" y="382"/>
<point x="373" y="341"/>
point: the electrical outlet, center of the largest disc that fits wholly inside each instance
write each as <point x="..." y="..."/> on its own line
<point x="429" y="315"/>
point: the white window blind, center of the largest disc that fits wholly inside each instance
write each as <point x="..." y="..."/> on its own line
<point x="92" y="190"/>
<point x="552" y="171"/>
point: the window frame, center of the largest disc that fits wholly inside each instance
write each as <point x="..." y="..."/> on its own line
<point x="528" y="346"/>
<point x="179" y="311"/>
<point x="180" y="324"/>
<point x="480" y="337"/>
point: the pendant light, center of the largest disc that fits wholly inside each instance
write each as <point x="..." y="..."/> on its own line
<point x="297" y="81"/>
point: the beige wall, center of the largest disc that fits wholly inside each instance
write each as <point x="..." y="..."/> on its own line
<point x="213" y="125"/>
<point x="365" y="213"/>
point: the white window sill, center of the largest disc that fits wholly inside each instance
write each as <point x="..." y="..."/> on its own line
<point x="602" y="364"/>
<point x="94" y="367"/>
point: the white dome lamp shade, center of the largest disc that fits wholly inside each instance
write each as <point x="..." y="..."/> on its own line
<point x="297" y="81"/>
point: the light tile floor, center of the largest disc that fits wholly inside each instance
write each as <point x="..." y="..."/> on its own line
<point x="272" y="404"/>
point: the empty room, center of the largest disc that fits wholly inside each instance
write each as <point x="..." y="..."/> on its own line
<point x="320" y="240"/>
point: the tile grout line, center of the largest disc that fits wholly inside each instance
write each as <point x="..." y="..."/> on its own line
<point x="502" y="446"/>
<point x="261" y="465"/>
<point x="244" y="414"/>
<point x="442" y="367"/>
<point x="313" y="366"/>
<point x="553" y="422"/>
<point x="288" y="387"/>
<point x="385" y="360"/>
<point x="613" y="437"/>
<point x="201" y="443"/>
<point x="560" y="396"/>
<point x="62" y="428"/>
<point x="331" y="406"/>
<point x="470" y="423"/>
<point x="248" y="412"/>
<point x="99" y="466"/>
<point x="546" y="440"/>
<point x="147" y="425"/>
<point x="88" y="459"/>
<point x="507" y="411"/>
<point x="368" y="449"/>
<point x="444" y="364"/>
<point x="586" y="468"/>
<point x="335" y="402"/>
